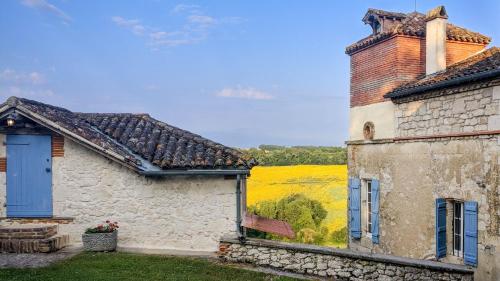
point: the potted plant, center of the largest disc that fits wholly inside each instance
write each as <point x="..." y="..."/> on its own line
<point x="102" y="238"/>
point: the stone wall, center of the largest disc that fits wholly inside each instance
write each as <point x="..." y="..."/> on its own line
<point x="412" y="175"/>
<point x="476" y="110"/>
<point x="181" y="213"/>
<point x="337" y="263"/>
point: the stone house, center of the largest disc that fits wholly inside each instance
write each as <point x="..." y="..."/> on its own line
<point x="168" y="188"/>
<point x="424" y="140"/>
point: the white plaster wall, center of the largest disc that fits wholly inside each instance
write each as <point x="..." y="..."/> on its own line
<point x="175" y="213"/>
<point x="380" y="114"/>
<point x="183" y="213"/>
<point x="412" y="175"/>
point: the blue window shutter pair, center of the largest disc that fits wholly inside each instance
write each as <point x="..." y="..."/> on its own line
<point x="440" y="228"/>
<point x="470" y="231"/>
<point x="375" y="211"/>
<point x="355" y="207"/>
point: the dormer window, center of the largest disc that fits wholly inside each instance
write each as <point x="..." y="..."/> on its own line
<point x="382" y="21"/>
<point x="377" y="27"/>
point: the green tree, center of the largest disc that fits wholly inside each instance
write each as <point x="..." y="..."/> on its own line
<point x="303" y="214"/>
<point x="274" y="155"/>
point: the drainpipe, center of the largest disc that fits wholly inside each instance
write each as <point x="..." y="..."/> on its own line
<point x="238" y="208"/>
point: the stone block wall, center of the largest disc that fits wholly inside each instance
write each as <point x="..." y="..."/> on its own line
<point x="338" y="264"/>
<point x="188" y="213"/>
<point x="412" y="175"/>
<point x="471" y="111"/>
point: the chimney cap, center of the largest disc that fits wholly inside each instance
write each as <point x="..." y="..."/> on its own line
<point x="438" y="12"/>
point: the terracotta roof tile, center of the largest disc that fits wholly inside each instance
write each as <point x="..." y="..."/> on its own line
<point x="166" y="146"/>
<point x="139" y="137"/>
<point x="413" y="24"/>
<point x="485" y="64"/>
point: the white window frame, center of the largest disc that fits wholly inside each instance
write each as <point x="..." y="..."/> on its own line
<point x="456" y="252"/>
<point x="368" y="208"/>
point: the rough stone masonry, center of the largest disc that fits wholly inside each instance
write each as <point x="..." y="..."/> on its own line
<point x="338" y="264"/>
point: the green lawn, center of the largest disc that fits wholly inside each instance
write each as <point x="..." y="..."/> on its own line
<point x="123" y="267"/>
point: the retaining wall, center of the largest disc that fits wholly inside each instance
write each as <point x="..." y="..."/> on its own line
<point x="339" y="264"/>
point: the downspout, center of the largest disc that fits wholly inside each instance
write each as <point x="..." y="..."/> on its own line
<point x="238" y="208"/>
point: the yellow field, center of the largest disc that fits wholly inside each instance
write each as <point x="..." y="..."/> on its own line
<point x="325" y="183"/>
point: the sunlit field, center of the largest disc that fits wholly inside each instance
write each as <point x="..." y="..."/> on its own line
<point x="325" y="183"/>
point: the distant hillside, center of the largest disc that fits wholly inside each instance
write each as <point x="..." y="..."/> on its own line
<point x="275" y="155"/>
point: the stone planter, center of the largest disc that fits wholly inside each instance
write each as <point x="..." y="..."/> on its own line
<point x="100" y="242"/>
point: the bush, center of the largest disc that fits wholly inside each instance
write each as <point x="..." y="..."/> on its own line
<point x="303" y="214"/>
<point x="339" y="236"/>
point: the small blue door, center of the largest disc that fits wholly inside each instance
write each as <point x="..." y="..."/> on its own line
<point x="29" y="176"/>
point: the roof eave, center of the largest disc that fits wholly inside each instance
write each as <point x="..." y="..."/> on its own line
<point x="196" y="172"/>
<point x="443" y="84"/>
<point x="74" y="137"/>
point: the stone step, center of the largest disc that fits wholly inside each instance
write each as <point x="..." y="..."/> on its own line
<point x="27" y="231"/>
<point x="45" y="245"/>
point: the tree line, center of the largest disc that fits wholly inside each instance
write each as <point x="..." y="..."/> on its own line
<point x="276" y="155"/>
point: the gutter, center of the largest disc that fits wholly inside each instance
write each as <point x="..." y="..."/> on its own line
<point x="444" y="84"/>
<point x="199" y="172"/>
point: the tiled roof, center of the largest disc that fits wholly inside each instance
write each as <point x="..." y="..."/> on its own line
<point x="70" y="121"/>
<point x="413" y="24"/>
<point x="382" y="13"/>
<point x="164" y="145"/>
<point x="139" y="138"/>
<point x="484" y="65"/>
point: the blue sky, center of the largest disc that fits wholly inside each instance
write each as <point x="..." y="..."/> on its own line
<point x="242" y="73"/>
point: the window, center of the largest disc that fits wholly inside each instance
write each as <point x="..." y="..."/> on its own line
<point x="458" y="229"/>
<point x="376" y="26"/>
<point x="369" y="208"/>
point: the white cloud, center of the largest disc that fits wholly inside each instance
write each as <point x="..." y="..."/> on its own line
<point x="244" y="93"/>
<point x="44" y="6"/>
<point x="133" y="25"/>
<point x="12" y="76"/>
<point x="195" y="28"/>
<point x="200" y="19"/>
<point x="179" y="8"/>
<point x="24" y="84"/>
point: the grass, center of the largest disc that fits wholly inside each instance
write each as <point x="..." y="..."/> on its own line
<point x="125" y="267"/>
<point x="325" y="183"/>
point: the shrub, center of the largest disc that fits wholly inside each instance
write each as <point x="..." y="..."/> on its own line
<point x="107" y="227"/>
<point x="339" y="236"/>
<point x="303" y="214"/>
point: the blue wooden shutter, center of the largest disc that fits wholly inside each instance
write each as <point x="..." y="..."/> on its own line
<point x="440" y="228"/>
<point x="375" y="210"/>
<point x="355" y="207"/>
<point x="470" y="231"/>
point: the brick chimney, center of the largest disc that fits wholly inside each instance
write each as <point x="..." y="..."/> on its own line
<point x="401" y="48"/>
<point x="435" y="40"/>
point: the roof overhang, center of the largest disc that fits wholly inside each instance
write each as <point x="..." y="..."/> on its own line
<point x="25" y="112"/>
<point x="19" y="109"/>
<point x="397" y="94"/>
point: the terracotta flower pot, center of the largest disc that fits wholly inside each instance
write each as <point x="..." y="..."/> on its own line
<point x="100" y="242"/>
